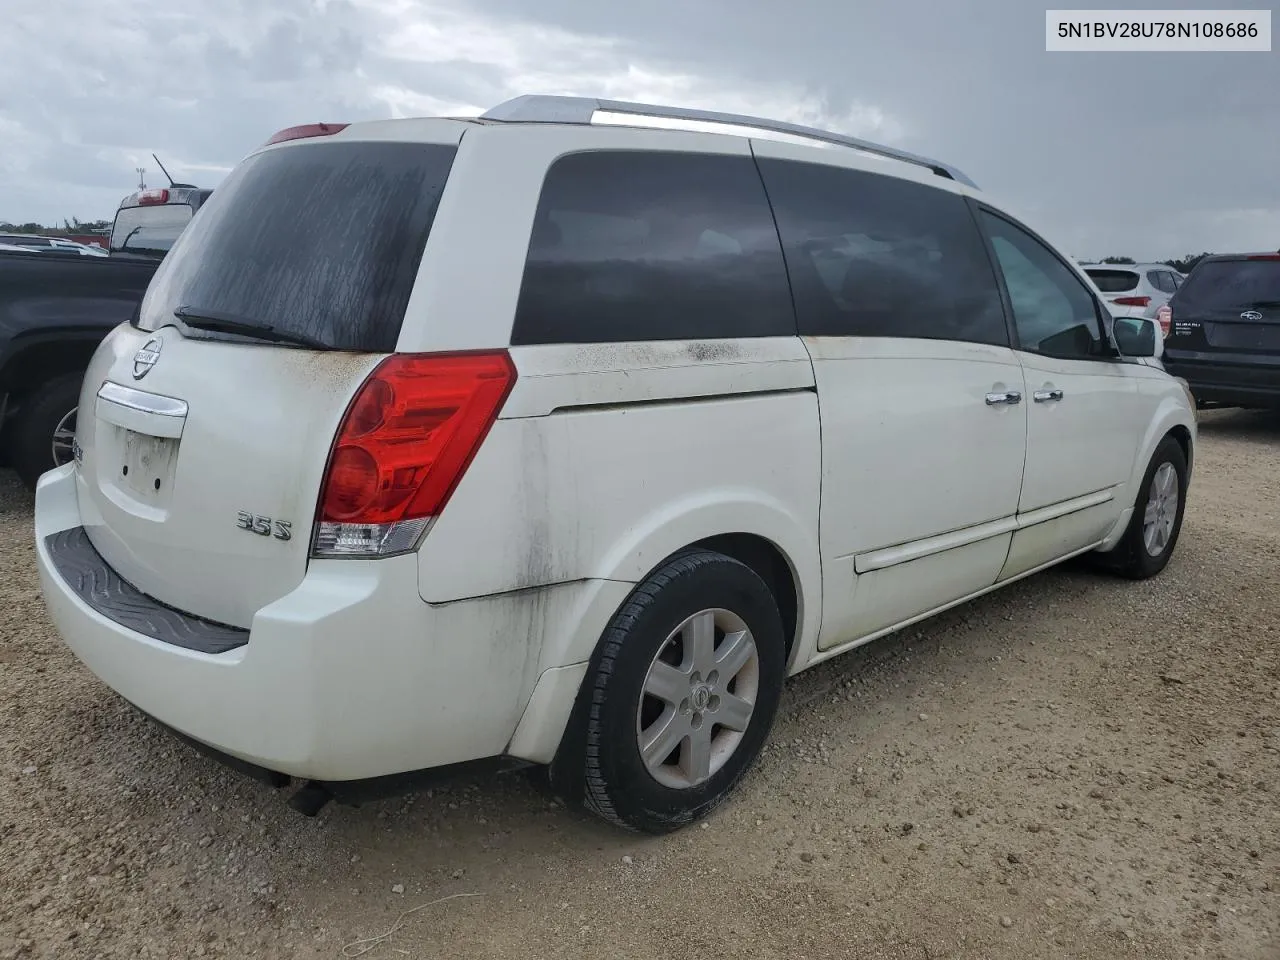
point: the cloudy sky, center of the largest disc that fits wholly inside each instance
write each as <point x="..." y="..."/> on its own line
<point x="1149" y="155"/>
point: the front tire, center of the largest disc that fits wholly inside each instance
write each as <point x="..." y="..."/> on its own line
<point x="44" y="429"/>
<point x="1149" y="540"/>
<point x="679" y="698"/>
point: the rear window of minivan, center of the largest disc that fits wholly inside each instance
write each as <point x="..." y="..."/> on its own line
<point x="1113" y="281"/>
<point x="318" y="240"/>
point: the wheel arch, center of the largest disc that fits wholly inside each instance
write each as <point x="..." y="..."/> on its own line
<point x="33" y="361"/>
<point x="771" y="565"/>
<point x="758" y="531"/>
<point x="1171" y="419"/>
<point x="787" y="564"/>
<point x="1182" y="434"/>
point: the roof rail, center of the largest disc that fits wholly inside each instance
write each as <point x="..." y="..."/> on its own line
<point x="537" y="108"/>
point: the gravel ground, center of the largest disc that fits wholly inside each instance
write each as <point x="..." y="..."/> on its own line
<point x="1074" y="767"/>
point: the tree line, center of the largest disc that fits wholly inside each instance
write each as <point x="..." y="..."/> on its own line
<point x="1182" y="265"/>
<point x="74" y="225"/>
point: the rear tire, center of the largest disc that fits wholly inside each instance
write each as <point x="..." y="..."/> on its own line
<point x="1152" y="534"/>
<point x="679" y="698"/>
<point x="44" y="412"/>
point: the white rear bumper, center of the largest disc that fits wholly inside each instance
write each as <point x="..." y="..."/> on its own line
<point x="350" y="676"/>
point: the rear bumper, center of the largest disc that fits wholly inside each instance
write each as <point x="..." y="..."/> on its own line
<point x="351" y="676"/>
<point x="1235" y="384"/>
<point x="352" y="792"/>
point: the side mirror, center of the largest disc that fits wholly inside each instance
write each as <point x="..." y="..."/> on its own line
<point x="1137" y="336"/>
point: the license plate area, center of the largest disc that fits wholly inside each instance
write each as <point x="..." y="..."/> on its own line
<point x="144" y="465"/>
<point x="1244" y="336"/>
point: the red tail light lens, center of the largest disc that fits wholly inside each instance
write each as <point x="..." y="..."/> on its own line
<point x="149" y="198"/>
<point x="302" y="131"/>
<point x="405" y="442"/>
<point x="1266" y="256"/>
<point x="1132" y="301"/>
<point x="1164" y="317"/>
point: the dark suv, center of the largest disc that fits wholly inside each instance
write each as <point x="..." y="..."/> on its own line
<point x="55" y="308"/>
<point x="1224" y="336"/>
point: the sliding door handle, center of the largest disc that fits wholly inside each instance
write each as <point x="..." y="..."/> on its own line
<point x="1041" y="396"/>
<point x="1004" y="396"/>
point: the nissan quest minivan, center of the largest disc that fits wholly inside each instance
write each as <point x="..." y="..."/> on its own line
<point x="563" y="435"/>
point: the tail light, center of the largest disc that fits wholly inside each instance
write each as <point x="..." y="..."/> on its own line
<point x="403" y="445"/>
<point x="1133" y="301"/>
<point x="1164" y="317"/>
<point x="149" y="198"/>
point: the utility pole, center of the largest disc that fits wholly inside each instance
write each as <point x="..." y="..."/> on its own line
<point x="142" y="183"/>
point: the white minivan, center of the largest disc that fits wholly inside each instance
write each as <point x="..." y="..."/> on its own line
<point x="563" y="435"/>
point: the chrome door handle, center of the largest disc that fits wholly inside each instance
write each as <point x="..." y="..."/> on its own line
<point x="1042" y="395"/>
<point x="1007" y="396"/>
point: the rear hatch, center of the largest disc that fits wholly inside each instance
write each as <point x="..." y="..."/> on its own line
<point x="1228" y="306"/>
<point x="214" y="414"/>
<point x="1122" y="288"/>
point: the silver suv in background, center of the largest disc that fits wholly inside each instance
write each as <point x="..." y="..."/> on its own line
<point x="1141" y="289"/>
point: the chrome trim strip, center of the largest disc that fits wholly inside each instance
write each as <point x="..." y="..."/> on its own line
<point x="141" y="401"/>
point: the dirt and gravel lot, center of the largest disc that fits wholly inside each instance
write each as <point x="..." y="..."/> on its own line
<point x="1074" y="767"/>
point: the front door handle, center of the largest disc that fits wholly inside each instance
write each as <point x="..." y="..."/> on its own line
<point x="1004" y="396"/>
<point x="1041" y="396"/>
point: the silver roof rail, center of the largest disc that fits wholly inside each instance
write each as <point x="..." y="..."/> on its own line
<point x="537" y="108"/>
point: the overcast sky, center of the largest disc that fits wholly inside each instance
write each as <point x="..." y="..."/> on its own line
<point x="1149" y="155"/>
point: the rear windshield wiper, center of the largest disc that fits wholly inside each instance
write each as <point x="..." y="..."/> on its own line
<point x="245" y="326"/>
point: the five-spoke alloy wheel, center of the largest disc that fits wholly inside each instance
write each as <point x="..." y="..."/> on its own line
<point x="679" y="697"/>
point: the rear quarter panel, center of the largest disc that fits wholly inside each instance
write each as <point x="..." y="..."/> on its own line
<point x="668" y="447"/>
<point x="608" y="457"/>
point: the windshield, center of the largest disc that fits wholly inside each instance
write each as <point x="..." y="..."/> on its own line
<point x="1113" y="281"/>
<point x="318" y="242"/>
<point x="1234" y="285"/>
<point x="151" y="229"/>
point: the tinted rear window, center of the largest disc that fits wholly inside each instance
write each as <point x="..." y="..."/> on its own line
<point x="321" y="240"/>
<point x="1233" y="285"/>
<point x="1113" y="281"/>
<point x="149" y="229"/>
<point x="877" y="256"/>
<point x="639" y="245"/>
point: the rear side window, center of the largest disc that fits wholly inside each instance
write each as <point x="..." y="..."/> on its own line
<point x="320" y="240"/>
<point x="876" y="256"/>
<point x="1114" y="281"/>
<point x="638" y="245"/>
<point x="1233" y="285"/>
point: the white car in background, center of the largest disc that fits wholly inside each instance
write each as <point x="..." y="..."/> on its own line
<point x="41" y="244"/>
<point x="571" y="435"/>
<point x="1137" y="289"/>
